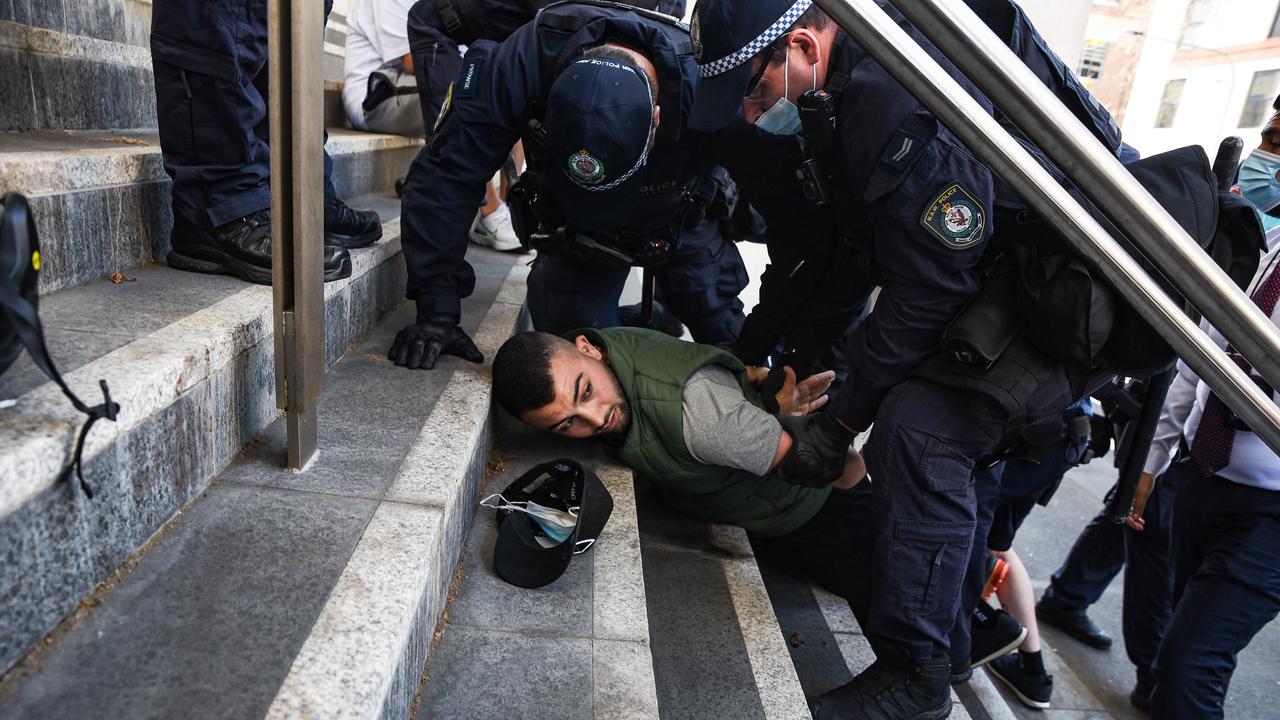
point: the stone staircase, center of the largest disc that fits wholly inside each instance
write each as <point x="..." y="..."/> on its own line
<point x="204" y="580"/>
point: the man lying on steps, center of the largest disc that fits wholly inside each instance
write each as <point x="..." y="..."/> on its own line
<point x="687" y="417"/>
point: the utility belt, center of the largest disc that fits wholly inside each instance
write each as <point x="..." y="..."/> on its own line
<point x="540" y="225"/>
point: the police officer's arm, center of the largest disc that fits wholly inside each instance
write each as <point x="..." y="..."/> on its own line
<point x="929" y="230"/>
<point x="446" y="184"/>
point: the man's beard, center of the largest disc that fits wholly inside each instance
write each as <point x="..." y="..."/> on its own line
<point x="624" y="423"/>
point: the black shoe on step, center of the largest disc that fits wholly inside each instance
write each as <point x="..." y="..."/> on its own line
<point x="349" y="228"/>
<point x="961" y="673"/>
<point x="1073" y="622"/>
<point x="909" y="691"/>
<point x="1033" y="689"/>
<point x="993" y="633"/>
<point x="241" y="248"/>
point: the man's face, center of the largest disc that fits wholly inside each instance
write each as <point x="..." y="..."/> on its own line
<point x="588" y="401"/>
<point x="1271" y="135"/>
<point x="790" y="71"/>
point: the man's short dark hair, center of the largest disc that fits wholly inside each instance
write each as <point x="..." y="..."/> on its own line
<point x="815" y="18"/>
<point x="1275" y="104"/>
<point x="522" y="379"/>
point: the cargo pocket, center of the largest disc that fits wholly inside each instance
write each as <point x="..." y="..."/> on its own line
<point x="944" y="468"/>
<point x="929" y="561"/>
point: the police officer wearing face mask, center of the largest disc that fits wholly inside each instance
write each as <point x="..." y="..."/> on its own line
<point x="919" y="211"/>
<point x="599" y="93"/>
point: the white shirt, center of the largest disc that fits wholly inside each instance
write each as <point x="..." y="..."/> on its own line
<point x="1252" y="462"/>
<point x="377" y="34"/>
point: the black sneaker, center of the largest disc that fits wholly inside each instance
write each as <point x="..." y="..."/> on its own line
<point x="994" y="633"/>
<point x="349" y="228"/>
<point x="961" y="673"/>
<point x="911" y="691"/>
<point x="1033" y="689"/>
<point x="1073" y="622"/>
<point x="241" y="248"/>
<point x="663" y="321"/>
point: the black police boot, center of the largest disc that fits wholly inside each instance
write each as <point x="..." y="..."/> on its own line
<point x="993" y="633"/>
<point x="888" y="691"/>
<point x="663" y="321"/>
<point x="349" y="228"/>
<point x="1073" y="622"/>
<point x="241" y="248"/>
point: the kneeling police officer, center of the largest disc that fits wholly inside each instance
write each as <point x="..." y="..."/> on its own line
<point x="599" y="94"/>
<point x="917" y="208"/>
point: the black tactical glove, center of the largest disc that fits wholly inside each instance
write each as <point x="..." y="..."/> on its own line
<point x="820" y="445"/>
<point x="419" y="346"/>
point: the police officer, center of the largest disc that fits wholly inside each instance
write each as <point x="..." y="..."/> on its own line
<point x="918" y="208"/>
<point x="210" y="65"/>
<point x="599" y="93"/>
<point x="437" y="27"/>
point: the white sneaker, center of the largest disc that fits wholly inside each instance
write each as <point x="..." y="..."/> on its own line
<point x="495" y="230"/>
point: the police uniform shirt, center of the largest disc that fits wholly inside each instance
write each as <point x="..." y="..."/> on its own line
<point x="921" y="205"/>
<point x="376" y="36"/>
<point x="1252" y="461"/>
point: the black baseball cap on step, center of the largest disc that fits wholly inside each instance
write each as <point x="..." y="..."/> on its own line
<point x="524" y="555"/>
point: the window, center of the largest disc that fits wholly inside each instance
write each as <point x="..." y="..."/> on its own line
<point x="1262" y="92"/>
<point x="1169" y="103"/>
<point x="1091" y="58"/>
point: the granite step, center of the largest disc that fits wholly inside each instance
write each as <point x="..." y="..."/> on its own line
<point x="828" y="648"/>
<point x="86" y="65"/>
<point x="575" y="649"/>
<point x="281" y="594"/>
<point x="101" y="200"/>
<point x="717" y="650"/>
<point x="189" y="359"/>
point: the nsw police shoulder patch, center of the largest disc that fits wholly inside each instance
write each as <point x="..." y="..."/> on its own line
<point x="956" y="218"/>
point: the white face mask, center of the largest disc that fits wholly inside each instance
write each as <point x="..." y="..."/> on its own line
<point x="558" y="525"/>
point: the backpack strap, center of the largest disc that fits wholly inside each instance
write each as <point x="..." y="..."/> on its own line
<point x="17" y="229"/>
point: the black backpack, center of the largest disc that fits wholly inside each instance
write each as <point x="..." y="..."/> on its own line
<point x="20" y="322"/>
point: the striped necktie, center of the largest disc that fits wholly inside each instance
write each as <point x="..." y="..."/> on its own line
<point x="1211" y="450"/>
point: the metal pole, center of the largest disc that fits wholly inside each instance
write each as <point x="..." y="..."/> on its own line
<point x="295" y="38"/>
<point x="967" y="41"/>
<point x="923" y="77"/>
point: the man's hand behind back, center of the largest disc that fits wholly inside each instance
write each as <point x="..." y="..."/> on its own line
<point x="421" y="345"/>
<point x="804" y="397"/>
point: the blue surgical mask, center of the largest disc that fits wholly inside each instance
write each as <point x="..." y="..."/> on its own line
<point x="1258" y="184"/>
<point x="557" y="525"/>
<point x="784" y="117"/>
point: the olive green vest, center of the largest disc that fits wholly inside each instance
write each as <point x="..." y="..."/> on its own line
<point x="652" y="369"/>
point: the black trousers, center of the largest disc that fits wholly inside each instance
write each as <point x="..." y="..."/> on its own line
<point x="832" y="549"/>
<point x="1226" y="587"/>
<point x="1098" y="555"/>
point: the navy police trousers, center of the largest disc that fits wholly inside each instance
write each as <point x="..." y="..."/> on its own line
<point x="210" y="63"/>
<point x="923" y="447"/>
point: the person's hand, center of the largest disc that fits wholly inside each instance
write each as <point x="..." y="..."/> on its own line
<point x="756" y="375"/>
<point x="811" y="393"/>
<point x="419" y="346"/>
<point x="1146" y="483"/>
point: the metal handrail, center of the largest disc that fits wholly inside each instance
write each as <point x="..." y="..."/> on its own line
<point x="985" y="59"/>
<point x="880" y="36"/>
<point x="295" y="31"/>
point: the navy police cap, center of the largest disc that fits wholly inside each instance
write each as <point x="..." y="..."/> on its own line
<point x="599" y="122"/>
<point x="726" y="35"/>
